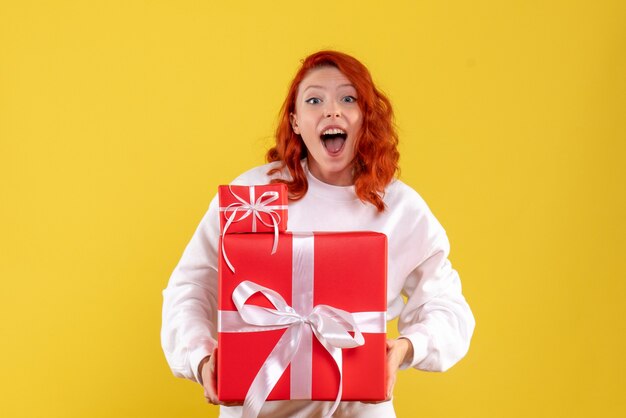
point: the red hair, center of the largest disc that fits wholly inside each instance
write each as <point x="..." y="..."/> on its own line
<point x="376" y="154"/>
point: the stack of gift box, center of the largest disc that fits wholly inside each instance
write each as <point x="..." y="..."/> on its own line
<point x="301" y="314"/>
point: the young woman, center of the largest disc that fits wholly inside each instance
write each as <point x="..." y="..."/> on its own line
<point x="336" y="149"/>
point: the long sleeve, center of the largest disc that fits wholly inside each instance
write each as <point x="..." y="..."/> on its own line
<point x="436" y="318"/>
<point x="188" y="329"/>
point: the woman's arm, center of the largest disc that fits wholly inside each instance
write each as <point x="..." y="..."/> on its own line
<point x="436" y="318"/>
<point x="188" y="329"/>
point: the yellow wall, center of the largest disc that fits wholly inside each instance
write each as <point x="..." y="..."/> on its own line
<point x="118" y="119"/>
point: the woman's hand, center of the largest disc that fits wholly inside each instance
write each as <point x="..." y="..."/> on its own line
<point x="398" y="351"/>
<point x="209" y="380"/>
<point x="209" y="377"/>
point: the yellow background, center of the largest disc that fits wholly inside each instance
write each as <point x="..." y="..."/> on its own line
<point x="118" y="119"/>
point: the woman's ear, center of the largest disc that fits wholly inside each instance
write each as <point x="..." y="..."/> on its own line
<point x="294" y="124"/>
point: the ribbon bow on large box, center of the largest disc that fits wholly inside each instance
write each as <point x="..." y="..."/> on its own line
<point x="331" y="286"/>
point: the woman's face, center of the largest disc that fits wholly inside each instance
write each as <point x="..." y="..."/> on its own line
<point x="328" y="118"/>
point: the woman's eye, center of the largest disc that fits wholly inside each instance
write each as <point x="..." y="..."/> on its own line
<point x="313" y="100"/>
<point x="349" y="99"/>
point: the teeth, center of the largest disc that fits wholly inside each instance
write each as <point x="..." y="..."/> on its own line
<point x="333" y="131"/>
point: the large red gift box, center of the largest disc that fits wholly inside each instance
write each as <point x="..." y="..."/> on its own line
<point x="261" y="208"/>
<point x="314" y="273"/>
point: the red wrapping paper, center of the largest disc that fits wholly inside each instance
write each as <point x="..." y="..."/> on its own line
<point x="349" y="273"/>
<point x="229" y="203"/>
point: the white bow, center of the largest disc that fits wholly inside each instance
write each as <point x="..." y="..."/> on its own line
<point x="254" y="208"/>
<point x="331" y="326"/>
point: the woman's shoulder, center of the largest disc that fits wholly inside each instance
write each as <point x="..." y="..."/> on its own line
<point x="399" y="192"/>
<point x="412" y="211"/>
<point x="259" y="174"/>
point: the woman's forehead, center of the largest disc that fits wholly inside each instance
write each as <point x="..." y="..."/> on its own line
<point x="324" y="77"/>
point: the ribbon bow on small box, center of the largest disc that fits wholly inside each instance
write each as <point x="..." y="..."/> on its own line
<point x="253" y="209"/>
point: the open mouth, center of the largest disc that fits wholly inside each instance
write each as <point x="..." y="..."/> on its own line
<point x="334" y="140"/>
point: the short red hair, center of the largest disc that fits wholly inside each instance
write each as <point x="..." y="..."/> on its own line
<point x="376" y="153"/>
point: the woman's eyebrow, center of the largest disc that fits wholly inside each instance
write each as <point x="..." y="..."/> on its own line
<point x="315" y="86"/>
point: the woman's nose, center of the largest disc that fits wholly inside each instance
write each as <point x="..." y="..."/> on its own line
<point x="329" y="113"/>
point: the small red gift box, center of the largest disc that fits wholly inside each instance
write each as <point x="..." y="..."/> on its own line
<point x="260" y="208"/>
<point x="284" y="319"/>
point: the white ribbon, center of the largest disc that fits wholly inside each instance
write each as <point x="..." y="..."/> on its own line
<point x="331" y="326"/>
<point x="254" y="208"/>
